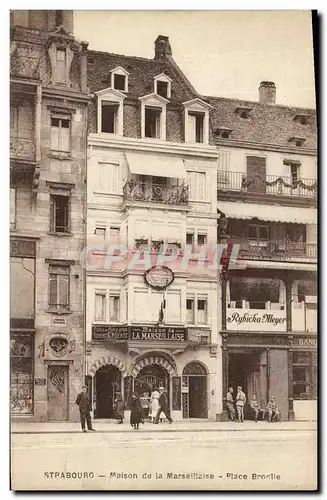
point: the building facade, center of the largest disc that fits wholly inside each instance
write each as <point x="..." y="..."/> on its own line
<point x="266" y="191"/>
<point x="48" y="114"/>
<point x="152" y="170"/>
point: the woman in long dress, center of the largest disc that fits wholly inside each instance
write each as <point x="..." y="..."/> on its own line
<point x="154" y="404"/>
<point x="119" y="407"/>
<point x="136" y="411"/>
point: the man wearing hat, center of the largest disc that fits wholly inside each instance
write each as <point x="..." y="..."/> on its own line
<point x="163" y="406"/>
<point x="84" y="405"/>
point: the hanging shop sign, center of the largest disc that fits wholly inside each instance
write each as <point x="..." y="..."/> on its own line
<point x="161" y="333"/>
<point x="159" y="277"/>
<point x="109" y="332"/>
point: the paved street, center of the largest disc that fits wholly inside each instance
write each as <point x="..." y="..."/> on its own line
<point x="148" y="458"/>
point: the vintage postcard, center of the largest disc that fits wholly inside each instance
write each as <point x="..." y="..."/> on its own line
<point x="163" y="250"/>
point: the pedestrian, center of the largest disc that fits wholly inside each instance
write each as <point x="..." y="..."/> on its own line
<point x="119" y="407"/>
<point x="255" y="406"/>
<point x="272" y="410"/>
<point x="240" y="402"/>
<point x="85" y="407"/>
<point x="145" y="403"/>
<point x="163" y="406"/>
<point x="136" y="411"/>
<point x="154" y="404"/>
<point x="230" y="404"/>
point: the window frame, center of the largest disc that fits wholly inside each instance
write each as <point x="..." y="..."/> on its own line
<point x="196" y="106"/>
<point x="158" y="102"/>
<point x="53" y="271"/>
<point x="115" y="295"/>
<point x="119" y="70"/>
<point x="311" y="372"/>
<point x="163" y="78"/>
<point x="195" y="298"/>
<point x="52" y="216"/>
<point x="115" y="98"/>
<point x="103" y="294"/>
<point x="61" y="117"/>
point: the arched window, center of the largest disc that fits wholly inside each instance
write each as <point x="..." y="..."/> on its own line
<point x="194" y="368"/>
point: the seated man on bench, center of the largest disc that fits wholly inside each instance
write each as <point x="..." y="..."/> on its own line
<point x="255" y="406"/>
<point x="272" y="409"/>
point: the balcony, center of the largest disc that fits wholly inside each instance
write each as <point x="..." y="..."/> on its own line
<point x="275" y="250"/>
<point x="271" y="185"/>
<point x="155" y="193"/>
<point x="22" y="149"/>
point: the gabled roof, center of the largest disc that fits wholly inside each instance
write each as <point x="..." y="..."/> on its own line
<point x="141" y="75"/>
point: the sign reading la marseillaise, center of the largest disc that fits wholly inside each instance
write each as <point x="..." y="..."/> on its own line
<point x="139" y="333"/>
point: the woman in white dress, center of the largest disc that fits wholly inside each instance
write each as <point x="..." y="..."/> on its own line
<point x="154" y="404"/>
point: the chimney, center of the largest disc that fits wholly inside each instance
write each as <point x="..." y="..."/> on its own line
<point x="267" y="93"/>
<point x="162" y="47"/>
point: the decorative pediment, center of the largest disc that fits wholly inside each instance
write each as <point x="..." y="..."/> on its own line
<point x="163" y="78"/>
<point x="153" y="100"/>
<point x="197" y="105"/>
<point x="120" y="71"/>
<point x="110" y="94"/>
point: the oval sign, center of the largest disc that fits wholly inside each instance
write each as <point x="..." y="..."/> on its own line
<point x="159" y="277"/>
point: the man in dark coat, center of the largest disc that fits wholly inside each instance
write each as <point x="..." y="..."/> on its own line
<point x="163" y="406"/>
<point x="84" y="405"/>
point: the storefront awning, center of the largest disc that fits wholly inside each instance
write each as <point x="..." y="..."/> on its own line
<point x="273" y="213"/>
<point x="159" y="166"/>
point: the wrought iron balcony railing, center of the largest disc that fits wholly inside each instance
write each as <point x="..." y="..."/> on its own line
<point x="22" y="148"/>
<point x="275" y="250"/>
<point x="155" y="193"/>
<point x="270" y="184"/>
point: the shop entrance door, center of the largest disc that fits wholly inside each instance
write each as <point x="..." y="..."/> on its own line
<point x="107" y="384"/>
<point x="249" y="370"/>
<point x="194" y="391"/>
<point x="57" y="393"/>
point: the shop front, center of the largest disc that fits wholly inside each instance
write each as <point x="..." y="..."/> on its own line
<point x="143" y="359"/>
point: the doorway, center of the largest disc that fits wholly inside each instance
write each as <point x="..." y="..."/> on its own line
<point x="57" y="393"/>
<point x="107" y="384"/>
<point x="249" y="370"/>
<point x="194" y="391"/>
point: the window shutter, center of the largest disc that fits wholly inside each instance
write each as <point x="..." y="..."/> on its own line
<point x="191" y="128"/>
<point x="65" y="138"/>
<point x="63" y="290"/>
<point x="99" y="307"/>
<point x="53" y="290"/>
<point x="12" y="207"/>
<point x="201" y="185"/>
<point x="52" y="213"/>
<point x="54" y="138"/>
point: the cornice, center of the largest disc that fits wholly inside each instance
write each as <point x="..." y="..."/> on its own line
<point x="145" y="145"/>
<point x="230" y="143"/>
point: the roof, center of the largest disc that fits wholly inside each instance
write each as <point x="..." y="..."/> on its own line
<point x="141" y="75"/>
<point x="267" y="123"/>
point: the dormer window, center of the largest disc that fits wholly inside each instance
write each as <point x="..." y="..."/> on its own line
<point x="301" y="119"/>
<point x="162" y="86"/>
<point x="110" y="112"/>
<point x="119" y="79"/>
<point x="153" y="116"/>
<point x="243" y="113"/>
<point x="297" y="141"/>
<point x="223" y="133"/>
<point x="197" y="121"/>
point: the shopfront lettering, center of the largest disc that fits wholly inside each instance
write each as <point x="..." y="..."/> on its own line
<point x="108" y="332"/>
<point x="158" y="333"/>
<point x="306" y="342"/>
<point x="256" y="318"/>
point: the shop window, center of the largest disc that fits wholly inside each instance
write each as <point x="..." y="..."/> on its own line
<point x="21" y="375"/>
<point x="100" y="306"/>
<point x="152" y="122"/>
<point x="114" y="308"/>
<point x="109" y="116"/>
<point x="59" y="287"/>
<point x="258" y="232"/>
<point x="60" y="134"/>
<point x="60" y="213"/>
<point x="304" y="375"/>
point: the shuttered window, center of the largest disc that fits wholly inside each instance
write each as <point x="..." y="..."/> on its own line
<point x="100" y="306"/>
<point x="60" y="134"/>
<point x="59" y="287"/>
<point x="197" y="183"/>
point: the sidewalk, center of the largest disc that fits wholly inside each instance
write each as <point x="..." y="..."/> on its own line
<point x="107" y="426"/>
